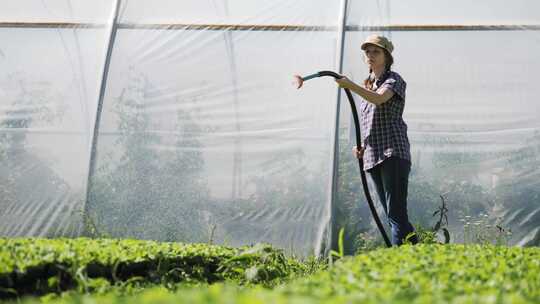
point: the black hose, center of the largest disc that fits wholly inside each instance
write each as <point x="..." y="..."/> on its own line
<point x="360" y="160"/>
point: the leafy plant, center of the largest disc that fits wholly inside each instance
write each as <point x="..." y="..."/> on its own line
<point x="442" y="221"/>
<point x="39" y="266"/>
<point x="482" y="230"/>
<point x="408" y="274"/>
<point x="337" y="254"/>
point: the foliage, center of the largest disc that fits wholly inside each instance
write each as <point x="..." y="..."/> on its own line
<point x="30" y="105"/>
<point x="365" y="242"/>
<point x="440" y="225"/>
<point x="350" y="209"/>
<point x="481" y="230"/>
<point x="407" y="274"/>
<point x="462" y="196"/>
<point x="38" y="266"/>
<point x="442" y="272"/>
<point x="140" y="190"/>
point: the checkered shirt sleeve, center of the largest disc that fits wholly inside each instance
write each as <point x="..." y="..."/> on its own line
<point x="396" y="84"/>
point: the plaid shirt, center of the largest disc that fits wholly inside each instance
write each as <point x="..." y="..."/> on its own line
<point x="384" y="133"/>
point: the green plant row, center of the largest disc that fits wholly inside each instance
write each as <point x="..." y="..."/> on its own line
<point x="408" y="274"/>
<point x="38" y="266"/>
<point x="229" y="293"/>
<point x="447" y="271"/>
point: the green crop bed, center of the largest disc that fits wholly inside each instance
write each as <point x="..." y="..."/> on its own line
<point x="40" y="266"/>
<point x="407" y="274"/>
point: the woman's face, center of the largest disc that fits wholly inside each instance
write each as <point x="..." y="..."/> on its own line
<point x="374" y="57"/>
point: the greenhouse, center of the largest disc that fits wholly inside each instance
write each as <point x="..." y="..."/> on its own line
<point x="178" y="120"/>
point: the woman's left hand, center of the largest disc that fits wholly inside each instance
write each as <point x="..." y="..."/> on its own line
<point x="345" y="83"/>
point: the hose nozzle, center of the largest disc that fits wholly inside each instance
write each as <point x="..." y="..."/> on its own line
<point x="299" y="80"/>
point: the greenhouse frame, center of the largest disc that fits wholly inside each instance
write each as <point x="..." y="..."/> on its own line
<point x="177" y="120"/>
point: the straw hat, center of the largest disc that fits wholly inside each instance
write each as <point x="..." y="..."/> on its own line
<point x="379" y="41"/>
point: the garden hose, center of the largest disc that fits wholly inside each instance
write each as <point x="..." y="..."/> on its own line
<point x="358" y="144"/>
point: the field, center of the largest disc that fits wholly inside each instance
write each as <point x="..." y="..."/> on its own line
<point x="127" y="271"/>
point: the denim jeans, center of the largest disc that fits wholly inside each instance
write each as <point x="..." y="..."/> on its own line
<point x="391" y="179"/>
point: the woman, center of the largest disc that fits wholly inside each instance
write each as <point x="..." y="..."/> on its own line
<point x="385" y="146"/>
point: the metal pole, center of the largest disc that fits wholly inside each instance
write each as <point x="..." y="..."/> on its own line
<point x="105" y="72"/>
<point x="331" y="201"/>
<point x="279" y="27"/>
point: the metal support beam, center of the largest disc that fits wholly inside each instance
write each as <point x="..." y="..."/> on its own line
<point x="331" y="200"/>
<point x="102" y="89"/>
<point x="279" y="27"/>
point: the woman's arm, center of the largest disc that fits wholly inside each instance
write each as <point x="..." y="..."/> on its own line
<point x="370" y="96"/>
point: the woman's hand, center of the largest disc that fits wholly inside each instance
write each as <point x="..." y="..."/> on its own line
<point x="345" y="83"/>
<point x="358" y="153"/>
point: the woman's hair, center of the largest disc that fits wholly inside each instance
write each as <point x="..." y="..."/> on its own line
<point x="389" y="60"/>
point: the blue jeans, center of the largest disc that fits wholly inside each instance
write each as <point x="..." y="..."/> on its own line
<point x="391" y="179"/>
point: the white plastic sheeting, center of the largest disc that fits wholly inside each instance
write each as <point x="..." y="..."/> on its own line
<point x="49" y="80"/>
<point x="472" y="110"/>
<point x="201" y="137"/>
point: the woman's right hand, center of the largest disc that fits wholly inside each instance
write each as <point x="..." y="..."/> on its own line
<point x="358" y="153"/>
